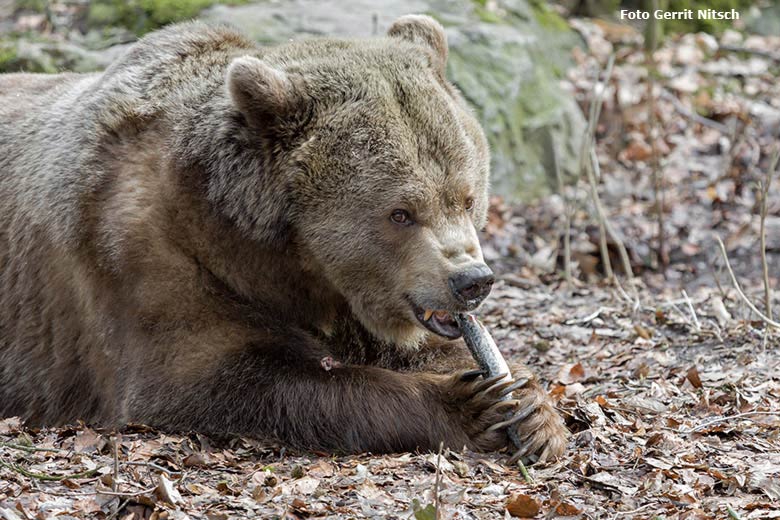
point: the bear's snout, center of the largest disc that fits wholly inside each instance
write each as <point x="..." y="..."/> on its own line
<point x="471" y="286"/>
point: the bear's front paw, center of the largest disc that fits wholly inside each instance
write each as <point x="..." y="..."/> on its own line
<point x="535" y="427"/>
<point x="480" y="405"/>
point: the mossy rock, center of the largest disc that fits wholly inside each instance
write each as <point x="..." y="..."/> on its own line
<point x="23" y="55"/>
<point x="764" y="20"/>
<point x="142" y="16"/>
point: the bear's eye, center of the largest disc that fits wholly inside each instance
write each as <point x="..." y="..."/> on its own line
<point x="401" y="216"/>
<point x="469" y="203"/>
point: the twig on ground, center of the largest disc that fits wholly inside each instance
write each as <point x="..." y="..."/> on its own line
<point x="115" y="480"/>
<point x="45" y="476"/>
<point x="30" y="449"/>
<point x="693" y="116"/>
<point x="683" y="315"/>
<point x="437" y="485"/>
<point x="726" y="419"/>
<point x="692" y="311"/>
<point x="130" y="494"/>
<point x="524" y="472"/>
<point x="746" y="50"/>
<point x="716" y="276"/>
<point x="733" y="514"/>
<point x="634" y="511"/>
<point x="127" y="494"/>
<point x="119" y="508"/>
<point x="151" y="465"/>
<point x="766" y="319"/>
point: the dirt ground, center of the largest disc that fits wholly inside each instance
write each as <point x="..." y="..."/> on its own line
<point x="669" y="383"/>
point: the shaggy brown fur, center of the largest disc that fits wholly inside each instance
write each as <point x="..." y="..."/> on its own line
<point x="201" y="237"/>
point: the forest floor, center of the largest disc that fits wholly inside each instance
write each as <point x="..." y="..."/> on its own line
<point x="669" y="383"/>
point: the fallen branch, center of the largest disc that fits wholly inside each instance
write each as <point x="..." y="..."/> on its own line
<point x="693" y="116"/>
<point x="767" y="320"/>
<point x="726" y="419"/>
<point x="45" y="476"/>
<point x="151" y="465"/>
<point x="30" y="449"/>
<point x="746" y="50"/>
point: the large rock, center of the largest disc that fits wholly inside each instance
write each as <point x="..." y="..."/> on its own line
<point x="506" y="57"/>
<point x="764" y="20"/>
<point x="54" y="56"/>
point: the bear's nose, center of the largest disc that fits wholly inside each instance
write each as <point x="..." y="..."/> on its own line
<point x="470" y="286"/>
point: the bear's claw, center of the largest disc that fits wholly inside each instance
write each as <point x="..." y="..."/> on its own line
<point x="471" y="375"/>
<point x="532" y="422"/>
<point x="525" y="412"/>
<point x="537" y="427"/>
<point x="485" y="385"/>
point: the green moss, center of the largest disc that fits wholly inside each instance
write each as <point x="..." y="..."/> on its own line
<point x="8" y="59"/>
<point x="142" y="16"/>
<point x="548" y="18"/>
<point x="162" y="12"/>
<point x="486" y="15"/>
<point x="38" y="6"/>
<point x="12" y="61"/>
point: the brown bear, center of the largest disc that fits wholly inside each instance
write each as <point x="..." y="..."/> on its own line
<point x="220" y="237"/>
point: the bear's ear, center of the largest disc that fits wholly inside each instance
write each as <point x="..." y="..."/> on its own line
<point x="263" y="94"/>
<point x="425" y="30"/>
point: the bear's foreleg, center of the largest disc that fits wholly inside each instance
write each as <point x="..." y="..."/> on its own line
<point x="282" y="390"/>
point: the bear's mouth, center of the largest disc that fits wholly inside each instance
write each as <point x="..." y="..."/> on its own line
<point x="437" y="321"/>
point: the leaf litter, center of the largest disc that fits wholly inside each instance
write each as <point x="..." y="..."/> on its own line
<point x="673" y="401"/>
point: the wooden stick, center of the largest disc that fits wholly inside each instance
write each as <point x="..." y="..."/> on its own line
<point x="45" y="476"/>
<point x="437" y="485"/>
<point x="764" y="209"/>
<point x="767" y="320"/>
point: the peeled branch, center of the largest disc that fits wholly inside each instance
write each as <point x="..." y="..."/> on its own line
<point x="486" y="354"/>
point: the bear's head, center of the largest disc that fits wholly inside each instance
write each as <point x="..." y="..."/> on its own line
<point x="381" y="172"/>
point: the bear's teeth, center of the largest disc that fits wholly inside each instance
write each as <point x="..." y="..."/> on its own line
<point x="428" y="314"/>
<point x="442" y="314"/>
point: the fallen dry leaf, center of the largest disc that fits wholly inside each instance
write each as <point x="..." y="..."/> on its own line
<point x="520" y="505"/>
